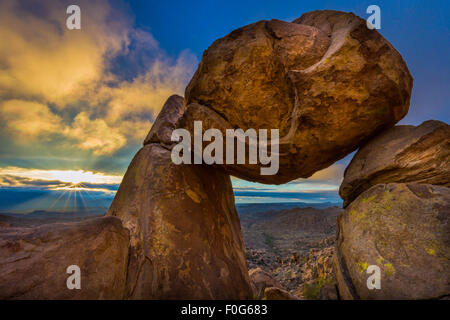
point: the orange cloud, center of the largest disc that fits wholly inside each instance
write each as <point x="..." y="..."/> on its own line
<point x="44" y="64"/>
<point x="28" y="119"/>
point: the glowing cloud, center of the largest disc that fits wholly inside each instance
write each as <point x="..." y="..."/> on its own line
<point x="69" y="176"/>
<point x="62" y="84"/>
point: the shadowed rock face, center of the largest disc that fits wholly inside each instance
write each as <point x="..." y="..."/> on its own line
<point x="33" y="261"/>
<point x="405" y="230"/>
<point x="185" y="234"/>
<point x="325" y="81"/>
<point x="402" y="154"/>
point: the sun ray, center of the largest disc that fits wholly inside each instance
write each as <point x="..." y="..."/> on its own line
<point x="86" y="208"/>
<point x="57" y="199"/>
<point x="69" y="194"/>
<point x="75" y="201"/>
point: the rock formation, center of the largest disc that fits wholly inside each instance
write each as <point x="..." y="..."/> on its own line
<point x="33" y="261"/>
<point x="404" y="229"/>
<point x="274" y="293"/>
<point x="397" y="201"/>
<point x="329" y="84"/>
<point x="185" y="236"/>
<point x="402" y="154"/>
<point x="325" y="81"/>
<point x="260" y="280"/>
<point x="318" y="277"/>
<point x="309" y="79"/>
<point x="165" y="122"/>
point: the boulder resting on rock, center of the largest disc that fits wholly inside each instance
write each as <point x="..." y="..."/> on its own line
<point x="325" y="80"/>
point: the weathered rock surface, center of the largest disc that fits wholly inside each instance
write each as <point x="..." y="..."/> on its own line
<point x="260" y="280"/>
<point x="404" y="229"/>
<point x="325" y="81"/>
<point x="401" y="154"/>
<point x="185" y="234"/>
<point x="274" y="293"/>
<point x="33" y="261"/>
<point x="165" y="122"/>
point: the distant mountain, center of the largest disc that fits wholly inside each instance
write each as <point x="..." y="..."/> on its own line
<point x="247" y="208"/>
<point x="39" y="217"/>
<point x="272" y="235"/>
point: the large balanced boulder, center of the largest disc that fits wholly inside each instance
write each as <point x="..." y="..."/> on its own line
<point x="325" y="81"/>
<point x="34" y="260"/>
<point x="402" y="154"/>
<point x="404" y="229"/>
<point x="185" y="236"/>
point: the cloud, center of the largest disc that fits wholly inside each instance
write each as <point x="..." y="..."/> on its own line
<point x="15" y="181"/>
<point x="58" y="179"/>
<point x="29" y="119"/>
<point x="96" y="89"/>
<point x="45" y="60"/>
<point x="95" y="134"/>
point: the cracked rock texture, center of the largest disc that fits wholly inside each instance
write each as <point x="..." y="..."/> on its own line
<point x="325" y="81"/>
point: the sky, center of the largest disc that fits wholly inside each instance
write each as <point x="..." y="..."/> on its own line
<point x="75" y="105"/>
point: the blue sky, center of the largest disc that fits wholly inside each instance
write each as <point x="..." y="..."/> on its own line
<point x="80" y="103"/>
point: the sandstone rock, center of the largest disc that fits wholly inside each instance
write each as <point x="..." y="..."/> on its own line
<point x="164" y="124"/>
<point x="260" y="280"/>
<point x="33" y="261"/>
<point x="404" y="229"/>
<point x="274" y="293"/>
<point x="325" y="81"/>
<point x="186" y="240"/>
<point x="402" y="154"/>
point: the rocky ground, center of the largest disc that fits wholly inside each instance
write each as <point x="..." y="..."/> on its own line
<point x="293" y="245"/>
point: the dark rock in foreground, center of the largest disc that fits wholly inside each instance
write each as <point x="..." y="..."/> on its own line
<point x="33" y="261"/>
